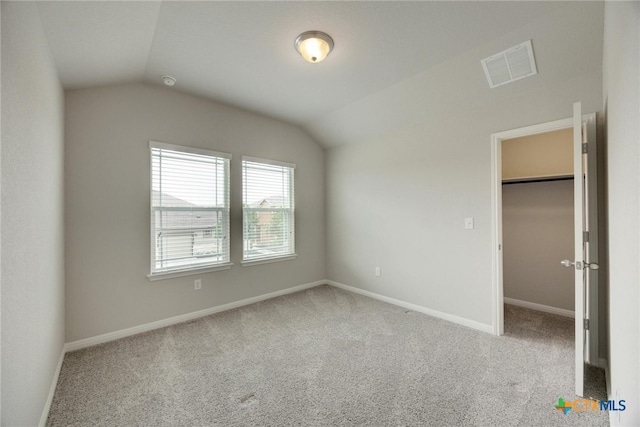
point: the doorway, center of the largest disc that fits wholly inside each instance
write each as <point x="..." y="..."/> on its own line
<point x="584" y="262"/>
<point x="497" y="207"/>
<point x="538" y="229"/>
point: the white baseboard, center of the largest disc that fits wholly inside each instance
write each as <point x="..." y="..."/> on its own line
<point x="540" y="307"/>
<point x="111" y="336"/>
<point x="434" y="313"/>
<point x="52" y="390"/>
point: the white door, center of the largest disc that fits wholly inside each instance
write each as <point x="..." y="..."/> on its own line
<point x="586" y="244"/>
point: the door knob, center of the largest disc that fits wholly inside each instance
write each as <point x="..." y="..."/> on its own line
<point x="589" y="265"/>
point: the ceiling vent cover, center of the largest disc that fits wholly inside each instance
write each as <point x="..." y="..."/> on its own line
<point x="510" y="65"/>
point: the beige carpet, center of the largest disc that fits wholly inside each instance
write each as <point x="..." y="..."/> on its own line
<point x="325" y="357"/>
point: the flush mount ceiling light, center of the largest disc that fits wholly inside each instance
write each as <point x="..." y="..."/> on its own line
<point x="168" y="80"/>
<point x="314" y="46"/>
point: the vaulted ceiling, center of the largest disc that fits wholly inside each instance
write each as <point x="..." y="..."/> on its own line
<point x="241" y="53"/>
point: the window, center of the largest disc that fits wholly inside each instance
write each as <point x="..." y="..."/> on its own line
<point x="189" y="210"/>
<point x="267" y="210"/>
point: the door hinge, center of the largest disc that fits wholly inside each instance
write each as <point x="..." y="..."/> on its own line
<point x="586" y="324"/>
<point x="585" y="148"/>
<point x="585" y="236"/>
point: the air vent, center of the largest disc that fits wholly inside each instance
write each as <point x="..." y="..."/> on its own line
<point x="510" y="65"/>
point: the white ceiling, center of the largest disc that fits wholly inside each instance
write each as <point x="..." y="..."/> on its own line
<point x="241" y="53"/>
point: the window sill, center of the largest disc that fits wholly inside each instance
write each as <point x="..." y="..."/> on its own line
<point x="179" y="273"/>
<point x="268" y="260"/>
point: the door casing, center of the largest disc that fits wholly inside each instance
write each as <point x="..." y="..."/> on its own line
<point x="496" y="214"/>
<point x="496" y="207"/>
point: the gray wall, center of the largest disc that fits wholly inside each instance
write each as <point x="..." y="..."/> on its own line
<point x="399" y="200"/>
<point x="537" y="232"/>
<point x="107" y="204"/>
<point x="32" y="216"/>
<point x="621" y="89"/>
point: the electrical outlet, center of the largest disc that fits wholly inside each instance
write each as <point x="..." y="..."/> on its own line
<point x="197" y="284"/>
<point x="378" y="271"/>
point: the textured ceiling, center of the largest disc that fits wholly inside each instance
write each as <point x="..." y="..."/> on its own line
<point x="241" y="53"/>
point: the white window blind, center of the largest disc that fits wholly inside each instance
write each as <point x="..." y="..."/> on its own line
<point x="268" y="215"/>
<point x="189" y="208"/>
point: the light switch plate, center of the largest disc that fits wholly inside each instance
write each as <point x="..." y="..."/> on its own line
<point x="468" y="223"/>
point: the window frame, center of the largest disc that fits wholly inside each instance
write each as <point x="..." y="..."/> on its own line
<point x="279" y="257"/>
<point x="226" y="264"/>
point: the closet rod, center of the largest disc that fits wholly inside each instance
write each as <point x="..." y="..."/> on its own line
<point x="529" y="180"/>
